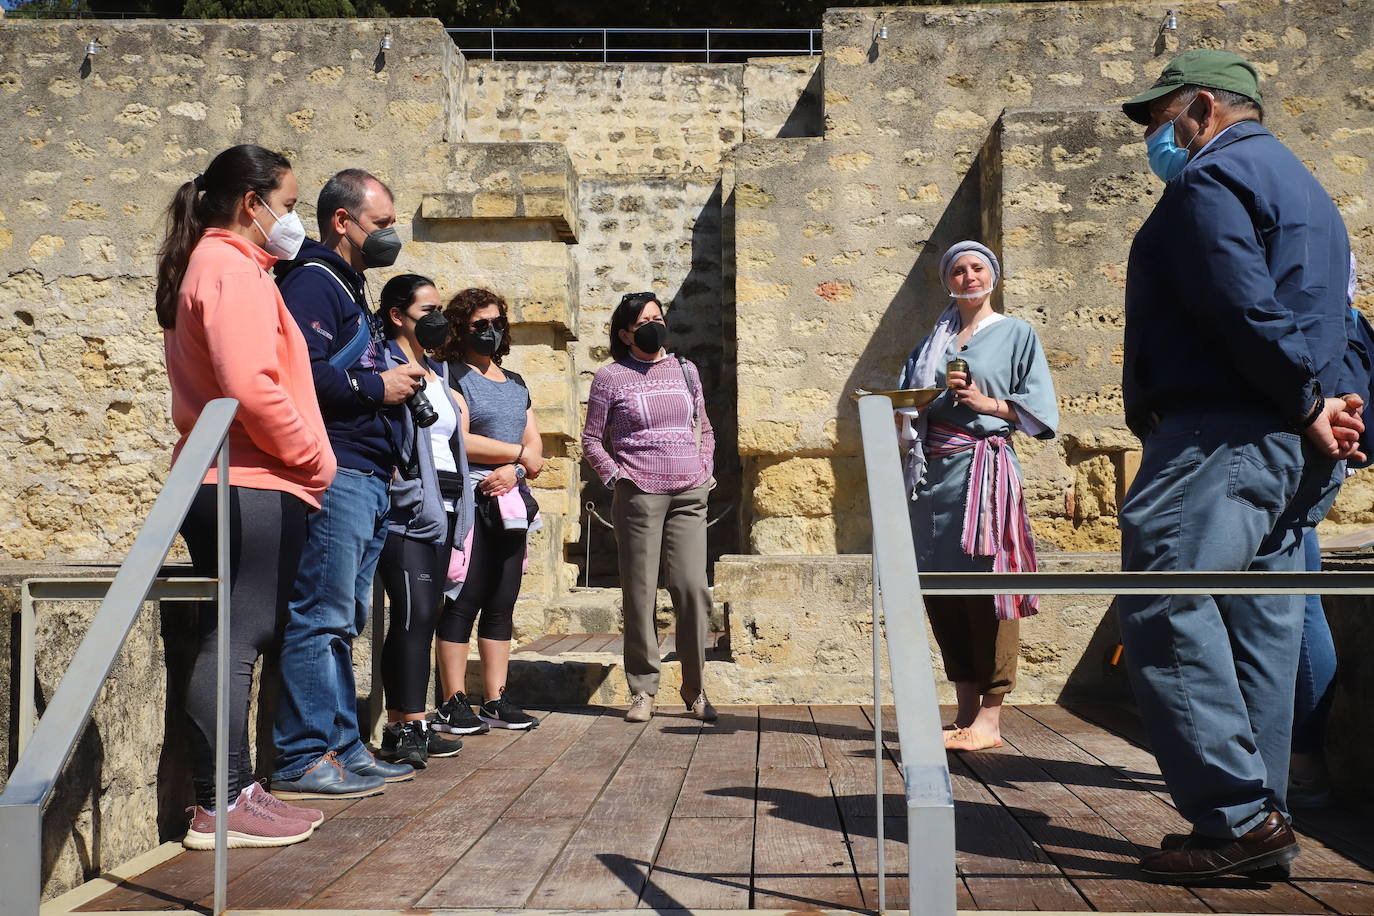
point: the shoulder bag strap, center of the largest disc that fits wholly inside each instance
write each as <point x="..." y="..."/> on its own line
<point x="692" y="393"/>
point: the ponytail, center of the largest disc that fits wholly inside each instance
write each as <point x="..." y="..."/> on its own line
<point x="205" y="201"/>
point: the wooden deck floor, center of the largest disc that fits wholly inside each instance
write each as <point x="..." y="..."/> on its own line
<point x="771" y="808"/>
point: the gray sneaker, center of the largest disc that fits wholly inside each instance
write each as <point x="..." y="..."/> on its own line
<point x="701" y="708"/>
<point x="641" y="708"/>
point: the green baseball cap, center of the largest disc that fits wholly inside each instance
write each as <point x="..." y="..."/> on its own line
<point x="1200" y="67"/>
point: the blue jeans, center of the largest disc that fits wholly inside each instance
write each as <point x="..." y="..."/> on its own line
<point x="1214" y="675"/>
<point x="318" y="709"/>
<point x="1316" y="665"/>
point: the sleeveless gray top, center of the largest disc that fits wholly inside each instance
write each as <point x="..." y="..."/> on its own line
<point x="495" y="409"/>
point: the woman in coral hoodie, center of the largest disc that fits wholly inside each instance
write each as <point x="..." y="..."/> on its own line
<point x="227" y="334"/>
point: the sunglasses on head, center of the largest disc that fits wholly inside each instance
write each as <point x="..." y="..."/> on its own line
<point x="481" y="324"/>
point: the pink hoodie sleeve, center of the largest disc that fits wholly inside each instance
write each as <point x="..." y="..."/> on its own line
<point x="242" y="327"/>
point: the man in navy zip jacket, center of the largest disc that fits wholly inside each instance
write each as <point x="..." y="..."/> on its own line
<point x="320" y="752"/>
<point x="1235" y="345"/>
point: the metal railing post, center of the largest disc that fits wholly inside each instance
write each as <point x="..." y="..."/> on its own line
<point x="28" y="670"/>
<point x="35" y="773"/>
<point x="222" y="686"/>
<point x="878" y="742"/>
<point x="925" y="768"/>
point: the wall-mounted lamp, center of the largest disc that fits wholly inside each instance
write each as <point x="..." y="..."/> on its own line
<point x="386" y="42"/>
<point x="882" y="33"/>
<point x="1170" y="22"/>
<point x="92" y="48"/>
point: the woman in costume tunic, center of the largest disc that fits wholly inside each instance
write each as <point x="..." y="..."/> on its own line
<point x="967" y="509"/>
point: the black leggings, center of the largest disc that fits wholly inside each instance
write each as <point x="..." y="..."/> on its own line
<point x="266" y="534"/>
<point x="413" y="575"/>
<point x="495" y="569"/>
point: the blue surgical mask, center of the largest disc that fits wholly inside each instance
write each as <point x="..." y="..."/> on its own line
<point x="1167" y="158"/>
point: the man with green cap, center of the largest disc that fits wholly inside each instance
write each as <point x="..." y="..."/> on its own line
<point x="1235" y="337"/>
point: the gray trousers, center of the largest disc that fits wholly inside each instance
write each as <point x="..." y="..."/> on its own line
<point x="1214" y="675"/>
<point x="670" y="529"/>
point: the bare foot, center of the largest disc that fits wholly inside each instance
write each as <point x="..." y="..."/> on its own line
<point x="966" y="739"/>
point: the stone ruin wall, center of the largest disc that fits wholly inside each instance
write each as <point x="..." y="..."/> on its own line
<point x="559" y="185"/>
<point x="800" y="262"/>
<point x="1000" y="122"/>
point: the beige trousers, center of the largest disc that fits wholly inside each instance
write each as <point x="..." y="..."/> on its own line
<point x="667" y="529"/>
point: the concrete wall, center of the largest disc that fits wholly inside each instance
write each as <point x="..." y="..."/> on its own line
<point x="837" y="240"/>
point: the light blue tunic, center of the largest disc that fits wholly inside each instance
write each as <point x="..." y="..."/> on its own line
<point x="1006" y="361"/>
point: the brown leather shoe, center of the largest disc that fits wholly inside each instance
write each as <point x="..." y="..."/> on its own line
<point x="1197" y="858"/>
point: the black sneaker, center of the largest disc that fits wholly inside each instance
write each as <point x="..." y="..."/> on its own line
<point x="455" y="716"/>
<point x="405" y="742"/>
<point x="502" y="713"/>
<point x="441" y="745"/>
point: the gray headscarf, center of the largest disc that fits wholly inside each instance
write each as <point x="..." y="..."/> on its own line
<point x="977" y="249"/>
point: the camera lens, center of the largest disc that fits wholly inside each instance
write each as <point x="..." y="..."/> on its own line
<point x="423" y="411"/>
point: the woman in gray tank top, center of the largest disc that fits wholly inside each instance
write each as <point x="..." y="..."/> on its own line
<point x="504" y="449"/>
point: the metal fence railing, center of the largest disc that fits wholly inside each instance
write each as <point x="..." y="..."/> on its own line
<point x="46" y="751"/>
<point x="898" y="605"/>
<point x="605" y="45"/>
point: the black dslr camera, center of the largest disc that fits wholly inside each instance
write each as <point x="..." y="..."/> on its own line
<point x="430" y="332"/>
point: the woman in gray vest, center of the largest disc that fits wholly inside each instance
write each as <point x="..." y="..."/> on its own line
<point x="431" y="510"/>
<point x="504" y="449"/>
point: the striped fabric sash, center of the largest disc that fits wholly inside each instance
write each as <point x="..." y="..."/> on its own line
<point x="996" y="523"/>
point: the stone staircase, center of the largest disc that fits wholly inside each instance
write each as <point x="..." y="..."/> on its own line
<point x="544" y="673"/>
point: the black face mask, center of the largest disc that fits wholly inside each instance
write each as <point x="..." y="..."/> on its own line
<point x="486" y="341"/>
<point x="432" y="330"/>
<point x="380" y="248"/>
<point x="649" y="338"/>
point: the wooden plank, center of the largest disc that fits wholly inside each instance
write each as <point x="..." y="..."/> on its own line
<point x="787" y="738"/>
<point x="1145" y="818"/>
<point x="616" y="645"/>
<point x="602" y="642"/>
<point x="1101" y="863"/>
<point x="669" y="741"/>
<point x="1324" y="874"/>
<point x="297" y="873"/>
<point x="717" y="792"/>
<point x="606" y="863"/>
<point x="801" y="860"/>
<point x="388" y="878"/>
<point x="863" y="845"/>
<point x="568" y="788"/>
<point x="403" y="799"/>
<point x="540" y="644"/>
<point x="1002" y="866"/>
<point x="566" y="643"/>
<point x="503" y="867"/>
<point x="538" y="748"/>
<point x="731" y="741"/>
<point x="177" y="883"/>
<point x="703" y="864"/>
<point x="846" y="737"/>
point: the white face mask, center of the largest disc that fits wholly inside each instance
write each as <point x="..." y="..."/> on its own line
<point x="286" y="237"/>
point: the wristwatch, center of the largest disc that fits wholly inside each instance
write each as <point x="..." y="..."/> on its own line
<point x="519" y="472"/>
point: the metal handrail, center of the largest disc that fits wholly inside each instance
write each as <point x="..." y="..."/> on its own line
<point x="491" y="49"/>
<point x="73" y="588"/>
<point x="38" y="768"/>
<point x="897" y="593"/>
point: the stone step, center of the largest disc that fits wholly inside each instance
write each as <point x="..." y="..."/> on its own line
<point x="599" y="610"/>
<point x="598" y="678"/>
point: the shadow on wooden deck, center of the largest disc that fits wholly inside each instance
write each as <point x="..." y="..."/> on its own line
<point x="771" y="808"/>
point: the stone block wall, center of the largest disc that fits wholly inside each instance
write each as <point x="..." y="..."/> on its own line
<point x="98" y="148"/>
<point x="837" y="240"/>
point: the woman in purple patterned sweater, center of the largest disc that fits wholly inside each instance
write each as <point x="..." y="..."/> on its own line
<point x="648" y="438"/>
